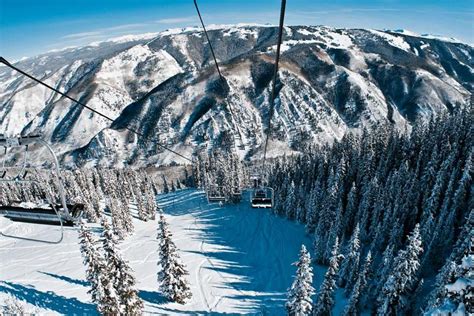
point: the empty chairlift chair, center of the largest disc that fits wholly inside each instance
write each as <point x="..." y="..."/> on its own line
<point x="236" y="195"/>
<point x="215" y="194"/>
<point x="262" y="196"/>
<point x="41" y="213"/>
<point x="46" y="212"/>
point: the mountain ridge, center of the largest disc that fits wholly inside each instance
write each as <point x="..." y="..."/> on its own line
<point x="332" y="80"/>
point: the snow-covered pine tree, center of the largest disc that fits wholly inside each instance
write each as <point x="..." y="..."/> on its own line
<point x="102" y="291"/>
<point x="334" y="232"/>
<point x="117" y="219"/>
<point x="172" y="277"/>
<point x="459" y="293"/>
<point x="299" y="302"/>
<point x="312" y="207"/>
<point x="325" y="301"/>
<point x="13" y="307"/>
<point x="351" y="206"/>
<point x="290" y="202"/>
<point x="126" y="220"/>
<point x="94" y="262"/>
<point x="141" y="207"/>
<point x="359" y="288"/>
<point x="399" y="284"/>
<point x="165" y="185"/>
<point x="350" y="264"/>
<point x="320" y="242"/>
<point x="456" y="265"/>
<point x="120" y="273"/>
<point x="150" y="202"/>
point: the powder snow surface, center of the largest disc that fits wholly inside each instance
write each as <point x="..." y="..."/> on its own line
<point x="239" y="260"/>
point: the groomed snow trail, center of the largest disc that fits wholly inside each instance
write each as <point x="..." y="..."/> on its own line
<point x="239" y="260"/>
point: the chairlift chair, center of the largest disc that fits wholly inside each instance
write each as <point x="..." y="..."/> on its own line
<point x="236" y="194"/>
<point x="215" y="194"/>
<point x="262" y="196"/>
<point x="46" y="213"/>
<point x="41" y="213"/>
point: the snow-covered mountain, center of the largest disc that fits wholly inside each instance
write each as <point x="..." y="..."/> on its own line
<point x="166" y="87"/>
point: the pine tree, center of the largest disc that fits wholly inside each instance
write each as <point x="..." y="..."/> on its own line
<point x="94" y="262"/>
<point x="102" y="290"/>
<point x="334" y="232"/>
<point x="290" y="203"/>
<point x="450" y="271"/>
<point x="165" y="185"/>
<point x="121" y="275"/>
<point x="359" y="289"/>
<point x="117" y="218"/>
<point x="126" y="216"/>
<point x="299" y="301"/>
<point x="325" y="301"/>
<point x="392" y="300"/>
<point x="460" y="291"/>
<point x="320" y="243"/>
<point x="350" y="264"/>
<point x="172" y="277"/>
<point x="13" y="307"/>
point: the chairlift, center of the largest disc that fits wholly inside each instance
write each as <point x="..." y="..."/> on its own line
<point x="38" y="213"/>
<point x="215" y="194"/>
<point x="236" y="195"/>
<point x="262" y="196"/>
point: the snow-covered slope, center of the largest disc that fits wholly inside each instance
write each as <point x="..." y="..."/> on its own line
<point x="166" y="87"/>
<point x="239" y="260"/>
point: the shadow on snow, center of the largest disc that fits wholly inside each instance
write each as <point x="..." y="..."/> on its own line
<point x="152" y="297"/>
<point x="67" y="279"/>
<point x="48" y="300"/>
<point x="255" y="248"/>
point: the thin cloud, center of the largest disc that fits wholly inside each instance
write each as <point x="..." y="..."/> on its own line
<point x="82" y="35"/>
<point x="125" y="27"/>
<point x="176" y="20"/>
<point x="105" y="31"/>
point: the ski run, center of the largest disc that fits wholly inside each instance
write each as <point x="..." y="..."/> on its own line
<point x="239" y="260"/>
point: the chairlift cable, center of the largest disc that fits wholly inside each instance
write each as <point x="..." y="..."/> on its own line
<point x="209" y="42"/>
<point x="217" y="67"/>
<point x="8" y="64"/>
<point x="275" y="76"/>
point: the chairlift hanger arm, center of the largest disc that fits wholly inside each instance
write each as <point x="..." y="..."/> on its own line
<point x="18" y="141"/>
<point x="8" y="64"/>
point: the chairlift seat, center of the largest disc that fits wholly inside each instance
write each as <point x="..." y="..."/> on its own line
<point x="236" y="195"/>
<point x="214" y="194"/>
<point x="262" y="198"/>
<point x="215" y="198"/>
<point x="42" y="213"/>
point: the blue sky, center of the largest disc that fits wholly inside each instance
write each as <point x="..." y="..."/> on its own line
<point x="30" y="27"/>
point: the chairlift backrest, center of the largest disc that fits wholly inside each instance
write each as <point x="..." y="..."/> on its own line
<point x="21" y="176"/>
